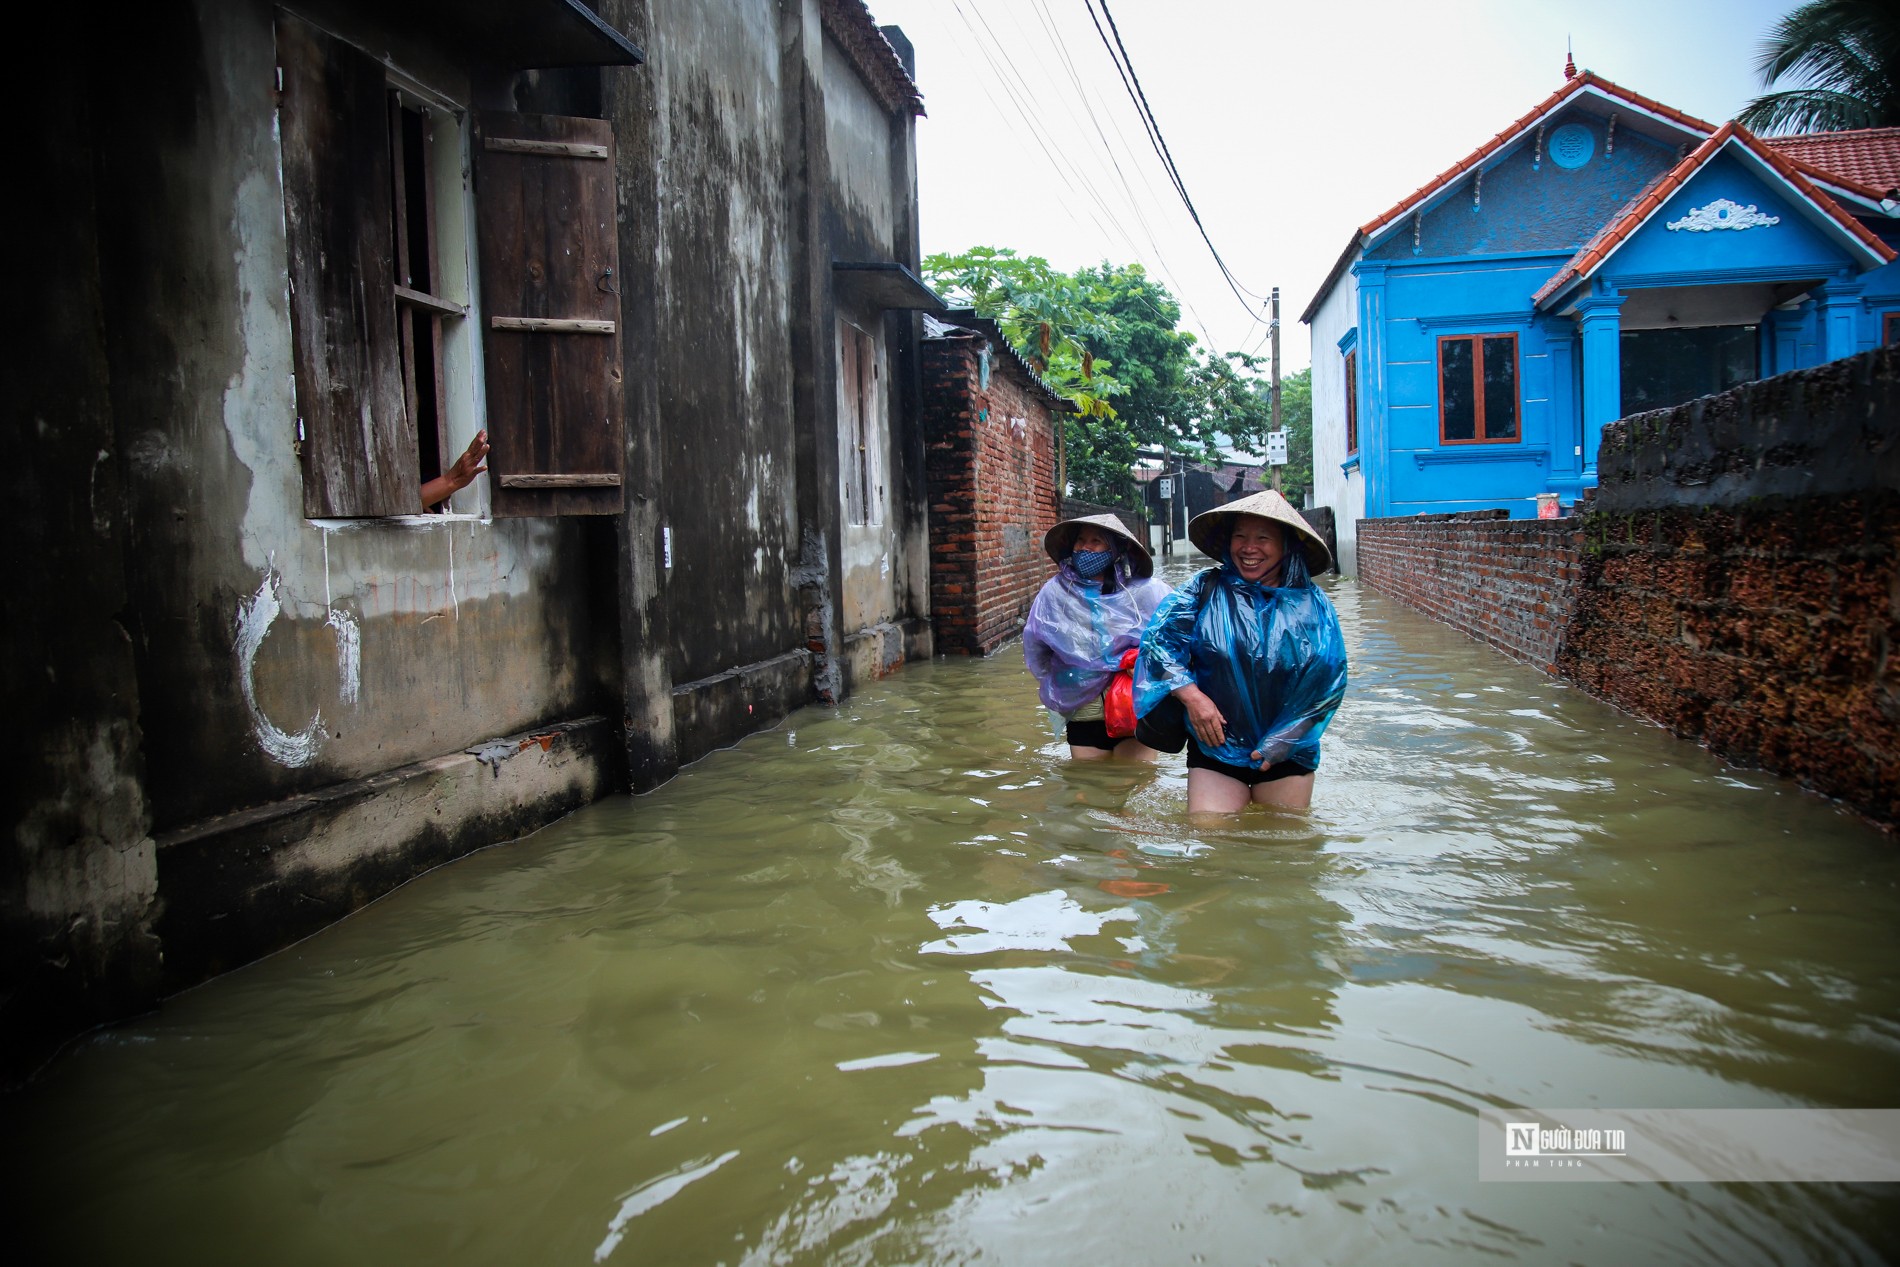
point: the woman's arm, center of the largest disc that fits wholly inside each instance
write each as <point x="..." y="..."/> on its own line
<point x="1167" y="648"/>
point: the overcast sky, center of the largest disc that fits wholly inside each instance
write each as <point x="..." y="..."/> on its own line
<point x="1289" y="123"/>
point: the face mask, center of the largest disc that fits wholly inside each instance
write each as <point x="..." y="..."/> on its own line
<point x="1092" y="563"/>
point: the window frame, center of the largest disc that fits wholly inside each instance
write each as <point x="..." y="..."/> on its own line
<point x="860" y="424"/>
<point x="1352" y="401"/>
<point x="1480" y="433"/>
<point x="396" y="354"/>
<point x="1890" y="328"/>
<point x="431" y="323"/>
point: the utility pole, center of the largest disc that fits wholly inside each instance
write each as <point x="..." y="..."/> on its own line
<point x="1273" y="333"/>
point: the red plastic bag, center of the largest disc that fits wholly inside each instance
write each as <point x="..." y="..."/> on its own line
<point x="1118" y="702"/>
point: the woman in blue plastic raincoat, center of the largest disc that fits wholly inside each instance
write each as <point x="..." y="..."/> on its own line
<point x="1083" y="630"/>
<point x="1244" y="665"/>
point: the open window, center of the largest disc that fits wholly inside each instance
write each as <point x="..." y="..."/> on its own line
<point x="379" y="292"/>
<point x="1477" y="388"/>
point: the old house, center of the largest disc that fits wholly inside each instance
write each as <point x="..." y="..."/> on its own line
<point x="284" y="263"/>
<point x="993" y="462"/>
<point x="1601" y="255"/>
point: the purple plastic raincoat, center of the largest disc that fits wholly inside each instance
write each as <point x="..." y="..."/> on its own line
<point x="1075" y="635"/>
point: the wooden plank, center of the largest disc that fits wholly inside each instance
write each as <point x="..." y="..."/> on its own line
<point x="552" y="325"/>
<point x="416" y="299"/>
<point x="357" y="450"/>
<point x="560" y="481"/>
<point x="548" y="234"/>
<point x="562" y="149"/>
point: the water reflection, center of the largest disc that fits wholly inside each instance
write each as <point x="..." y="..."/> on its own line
<point x="901" y="984"/>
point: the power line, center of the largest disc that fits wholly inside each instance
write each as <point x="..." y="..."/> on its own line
<point x="1134" y="204"/>
<point x="1028" y="106"/>
<point x="1131" y="83"/>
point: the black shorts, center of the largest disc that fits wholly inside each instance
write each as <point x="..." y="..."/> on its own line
<point x="1091" y="734"/>
<point x="1252" y="777"/>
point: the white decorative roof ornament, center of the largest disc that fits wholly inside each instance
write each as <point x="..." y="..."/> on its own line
<point x="1723" y="213"/>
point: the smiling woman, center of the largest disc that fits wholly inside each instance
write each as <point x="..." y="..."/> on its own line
<point x="1245" y="665"/>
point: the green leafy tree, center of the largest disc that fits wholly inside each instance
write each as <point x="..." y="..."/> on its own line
<point x="1053" y="320"/>
<point x="1847" y="52"/>
<point x="1152" y="357"/>
<point x="1296" y="415"/>
<point x="1110" y="333"/>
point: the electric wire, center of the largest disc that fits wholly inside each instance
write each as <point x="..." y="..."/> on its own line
<point x="1131" y="83"/>
<point x="1134" y="203"/>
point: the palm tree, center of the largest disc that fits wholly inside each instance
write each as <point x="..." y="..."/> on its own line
<point x="1847" y="51"/>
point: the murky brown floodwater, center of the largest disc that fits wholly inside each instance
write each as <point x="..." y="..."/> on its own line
<point x="897" y="984"/>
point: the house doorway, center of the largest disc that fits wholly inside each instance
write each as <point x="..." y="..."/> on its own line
<point x="1666" y="367"/>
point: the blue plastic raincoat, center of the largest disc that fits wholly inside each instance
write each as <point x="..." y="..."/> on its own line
<point x="1075" y="635"/>
<point x="1272" y="660"/>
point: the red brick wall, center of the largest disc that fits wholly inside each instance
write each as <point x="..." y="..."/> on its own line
<point x="990" y="470"/>
<point x="1508" y="582"/>
<point x="1764" y="631"/>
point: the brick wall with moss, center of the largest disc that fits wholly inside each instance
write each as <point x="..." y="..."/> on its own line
<point x="1741" y="577"/>
<point x="1736" y="578"/>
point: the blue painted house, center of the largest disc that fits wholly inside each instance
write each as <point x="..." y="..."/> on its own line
<point x="1602" y="255"/>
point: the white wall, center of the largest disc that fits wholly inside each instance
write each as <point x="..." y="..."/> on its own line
<point x="1345" y="493"/>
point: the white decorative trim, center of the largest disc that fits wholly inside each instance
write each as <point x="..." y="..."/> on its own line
<point x="1723" y="213"/>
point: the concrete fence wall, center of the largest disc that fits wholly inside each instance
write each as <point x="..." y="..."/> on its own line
<point x="1737" y="579"/>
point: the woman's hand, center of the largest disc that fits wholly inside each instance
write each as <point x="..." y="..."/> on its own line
<point x="1208" y="724"/>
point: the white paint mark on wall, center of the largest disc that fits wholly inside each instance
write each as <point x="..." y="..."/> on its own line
<point x="349" y="655"/>
<point x="253" y="622"/>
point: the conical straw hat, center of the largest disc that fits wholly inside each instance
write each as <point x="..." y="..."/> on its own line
<point x="1209" y="529"/>
<point x="1059" y="541"/>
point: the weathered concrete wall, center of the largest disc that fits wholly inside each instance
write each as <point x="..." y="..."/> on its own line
<point x="763" y="158"/>
<point x="78" y="873"/>
<point x="200" y="648"/>
<point x="991" y="458"/>
<point x="1508" y="582"/>
<point x="1737" y="579"/>
<point x="1742" y="577"/>
<point x="298" y="710"/>
<point x="279" y="654"/>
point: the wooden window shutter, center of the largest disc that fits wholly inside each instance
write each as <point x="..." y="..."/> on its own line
<point x="550" y="264"/>
<point x="357" y="448"/>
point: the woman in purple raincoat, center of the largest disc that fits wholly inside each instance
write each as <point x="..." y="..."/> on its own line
<point x="1085" y="626"/>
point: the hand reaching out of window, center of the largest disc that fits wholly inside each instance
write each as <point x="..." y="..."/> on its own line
<point x="458" y="476"/>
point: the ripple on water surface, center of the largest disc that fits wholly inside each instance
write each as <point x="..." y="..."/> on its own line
<point x="898" y="984"/>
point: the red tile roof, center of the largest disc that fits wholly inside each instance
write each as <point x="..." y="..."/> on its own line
<point x="1639" y="208"/>
<point x="1866" y="161"/>
<point x="1587" y="79"/>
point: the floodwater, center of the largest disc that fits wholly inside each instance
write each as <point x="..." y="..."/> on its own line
<point x="897" y="984"/>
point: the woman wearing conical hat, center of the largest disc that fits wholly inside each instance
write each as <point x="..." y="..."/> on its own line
<point x="1245" y="665"/>
<point x="1083" y="630"/>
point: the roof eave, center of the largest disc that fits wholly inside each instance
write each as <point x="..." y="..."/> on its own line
<point x="1340" y="265"/>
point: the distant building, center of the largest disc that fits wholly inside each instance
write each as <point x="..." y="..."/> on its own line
<point x="1602" y="255"/>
